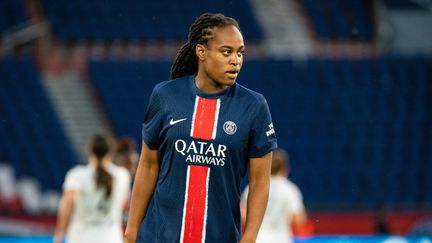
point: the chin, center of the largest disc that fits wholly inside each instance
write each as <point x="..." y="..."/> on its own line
<point x="225" y="82"/>
<point x="229" y="82"/>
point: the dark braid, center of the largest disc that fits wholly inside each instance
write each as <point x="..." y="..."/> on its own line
<point x="100" y="147"/>
<point x="200" y="32"/>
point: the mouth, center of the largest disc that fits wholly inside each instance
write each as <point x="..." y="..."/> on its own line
<point x="232" y="74"/>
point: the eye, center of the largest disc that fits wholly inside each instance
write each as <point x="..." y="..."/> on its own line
<point x="240" y="53"/>
<point x="226" y="52"/>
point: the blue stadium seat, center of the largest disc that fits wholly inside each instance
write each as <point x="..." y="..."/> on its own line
<point x="36" y="145"/>
<point x="134" y="20"/>
<point x="11" y="14"/>
<point x="341" y="20"/>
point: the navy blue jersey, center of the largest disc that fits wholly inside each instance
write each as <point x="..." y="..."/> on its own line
<point x="205" y="142"/>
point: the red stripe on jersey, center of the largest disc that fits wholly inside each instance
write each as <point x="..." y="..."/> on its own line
<point x="204" y="124"/>
<point x="195" y="209"/>
<point x="205" y="118"/>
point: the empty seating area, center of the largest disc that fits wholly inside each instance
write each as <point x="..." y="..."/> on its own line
<point x="406" y="4"/>
<point x="137" y="20"/>
<point x="358" y="131"/>
<point x="11" y="14"/>
<point x="125" y="87"/>
<point x="32" y="139"/>
<point x="341" y="20"/>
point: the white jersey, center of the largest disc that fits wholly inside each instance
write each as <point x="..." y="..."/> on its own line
<point x="95" y="218"/>
<point x="285" y="200"/>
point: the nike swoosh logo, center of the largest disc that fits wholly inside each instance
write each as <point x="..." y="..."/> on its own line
<point x="172" y="122"/>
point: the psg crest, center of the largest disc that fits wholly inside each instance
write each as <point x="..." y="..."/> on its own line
<point x="229" y="127"/>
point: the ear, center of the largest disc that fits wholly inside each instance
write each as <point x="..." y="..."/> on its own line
<point x="200" y="51"/>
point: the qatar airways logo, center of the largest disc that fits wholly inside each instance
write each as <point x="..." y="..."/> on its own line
<point x="202" y="152"/>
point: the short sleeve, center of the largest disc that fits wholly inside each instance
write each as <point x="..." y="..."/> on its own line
<point x="72" y="180"/>
<point x="125" y="179"/>
<point x="152" y="124"/>
<point x="262" y="137"/>
<point x="296" y="202"/>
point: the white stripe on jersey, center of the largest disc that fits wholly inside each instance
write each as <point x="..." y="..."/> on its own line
<point x="194" y="114"/>
<point x="216" y="119"/>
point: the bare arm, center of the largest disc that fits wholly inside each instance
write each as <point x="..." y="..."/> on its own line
<point x="259" y="182"/>
<point x="144" y="184"/>
<point x="243" y="213"/>
<point x="299" y="218"/>
<point x="64" y="214"/>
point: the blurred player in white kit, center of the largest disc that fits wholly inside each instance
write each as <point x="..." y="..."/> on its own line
<point x="93" y="197"/>
<point x="285" y="206"/>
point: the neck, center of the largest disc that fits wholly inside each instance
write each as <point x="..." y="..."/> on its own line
<point x="208" y="85"/>
<point x="281" y="173"/>
<point x="94" y="161"/>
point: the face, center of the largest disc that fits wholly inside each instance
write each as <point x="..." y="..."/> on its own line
<point x="220" y="60"/>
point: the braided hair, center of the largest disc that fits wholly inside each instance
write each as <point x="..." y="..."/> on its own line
<point x="200" y="32"/>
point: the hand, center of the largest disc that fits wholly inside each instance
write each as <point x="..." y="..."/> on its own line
<point x="246" y="239"/>
<point x="128" y="239"/>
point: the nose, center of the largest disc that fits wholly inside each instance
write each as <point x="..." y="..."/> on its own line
<point x="235" y="60"/>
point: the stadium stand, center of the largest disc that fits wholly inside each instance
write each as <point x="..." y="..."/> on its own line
<point x="129" y="100"/>
<point x="341" y="20"/>
<point x="11" y="14"/>
<point x="32" y="138"/>
<point x="146" y="20"/>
